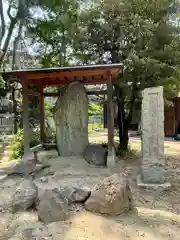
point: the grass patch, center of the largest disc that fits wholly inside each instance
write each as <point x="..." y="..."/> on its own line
<point x="92" y="126"/>
<point x="129" y="155"/>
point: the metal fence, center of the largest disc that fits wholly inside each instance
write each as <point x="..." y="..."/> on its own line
<point x="6" y="123"/>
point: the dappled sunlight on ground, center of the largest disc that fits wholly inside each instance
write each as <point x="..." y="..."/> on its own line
<point x="156" y="214"/>
<point x="143" y="224"/>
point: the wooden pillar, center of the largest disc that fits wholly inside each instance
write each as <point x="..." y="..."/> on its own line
<point x="41" y="102"/>
<point x="28" y="155"/>
<point x="111" y="160"/>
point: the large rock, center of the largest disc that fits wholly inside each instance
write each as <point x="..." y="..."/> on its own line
<point x="71" y="119"/>
<point x="96" y="155"/>
<point x="25" y="195"/>
<point x="75" y="194"/>
<point x="112" y="196"/>
<point x="24" y="168"/>
<point x="52" y="207"/>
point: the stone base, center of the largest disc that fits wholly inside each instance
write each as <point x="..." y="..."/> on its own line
<point x="29" y="156"/>
<point x="153" y="173"/>
<point x="154" y="186"/>
<point x="111" y="159"/>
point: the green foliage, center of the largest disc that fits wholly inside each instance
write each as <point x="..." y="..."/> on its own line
<point x="95" y="109"/>
<point x="137" y="33"/>
<point x="48" y="108"/>
<point x="3" y="87"/>
<point x="17" y="145"/>
<point x="92" y="126"/>
<point x="55" y="33"/>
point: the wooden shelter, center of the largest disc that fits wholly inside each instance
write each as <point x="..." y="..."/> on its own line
<point x="42" y="78"/>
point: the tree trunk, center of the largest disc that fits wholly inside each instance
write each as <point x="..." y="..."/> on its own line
<point x="123" y="126"/>
<point x="123" y="120"/>
<point x="15" y="66"/>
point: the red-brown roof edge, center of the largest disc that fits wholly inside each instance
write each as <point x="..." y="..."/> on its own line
<point x="64" y="69"/>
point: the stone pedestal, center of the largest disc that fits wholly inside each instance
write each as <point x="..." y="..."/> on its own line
<point x="152" y="170"/>
<point x="111" y="158"/>
<point x="71" y="119"/>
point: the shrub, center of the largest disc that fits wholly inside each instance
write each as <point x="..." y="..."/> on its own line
<point x="17" y="147"/>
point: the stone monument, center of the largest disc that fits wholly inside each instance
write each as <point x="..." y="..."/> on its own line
<point x="71" y="120"/>
<point x="152" y="169"/>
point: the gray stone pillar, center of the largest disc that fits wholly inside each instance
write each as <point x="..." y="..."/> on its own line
<point x="71" y="119"/>
<point x="152" y="170"/>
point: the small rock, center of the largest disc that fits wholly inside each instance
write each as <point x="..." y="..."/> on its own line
<point x="44" y="179"/>
<point x="2" y="177"/>
<point x="76" y="194"/>
<point x="25" y="195"/>
<point x="96" y="154"/>
<point x="112" y="196"/>
<point x="44" y="172"/>
<point x="43" y="156"/>
<point x="52" y="207"/>
<point x="24" y="168"/>
<point x="26" y="234"/>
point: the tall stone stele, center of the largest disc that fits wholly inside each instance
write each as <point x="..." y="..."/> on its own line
<point x="152" y="170"/>
<point x="71" y="119"/>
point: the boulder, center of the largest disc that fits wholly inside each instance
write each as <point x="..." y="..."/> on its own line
<point x="96" y="155"/>
<point x="52" y="207"/>
<point x="24" y="196"/>
<point x="24" y="168"/>
<point x="75" y="194"/>
<point x="71" y="118"/>
<point x="112" y="196"/>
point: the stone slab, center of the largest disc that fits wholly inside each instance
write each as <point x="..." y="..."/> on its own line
<point x="153" y="160"/>
<point x="71" y="119"/>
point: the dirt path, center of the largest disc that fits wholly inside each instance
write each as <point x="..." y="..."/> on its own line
<point x="157" y="216"/>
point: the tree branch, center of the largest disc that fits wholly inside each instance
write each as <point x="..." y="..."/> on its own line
<point x="2" y="23"/>
<point x="9" y="11"/>
<point x="7" y="40"/>
<point x="15" y="45"/>
<point x="12" y="25"/>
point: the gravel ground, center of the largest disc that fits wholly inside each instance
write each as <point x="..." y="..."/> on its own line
<point x="156" y="215"/>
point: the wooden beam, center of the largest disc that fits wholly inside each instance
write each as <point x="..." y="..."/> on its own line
<point x="33" y="93"/>
<point x="51" y="94"/>
<point x="101" y="92"/>
<point x="42" y="123"/>
<point x="110" y="115"/>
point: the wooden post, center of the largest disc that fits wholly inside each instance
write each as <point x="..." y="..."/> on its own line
<point x="41" y="102"/>
<point x="28" y="155"/>
<point x="111" y="160"/>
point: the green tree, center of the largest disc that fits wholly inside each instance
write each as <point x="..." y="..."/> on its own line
<point x="95" y="109"/>
<point x="55" y="32"/>
<point x="137" y="33"/>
